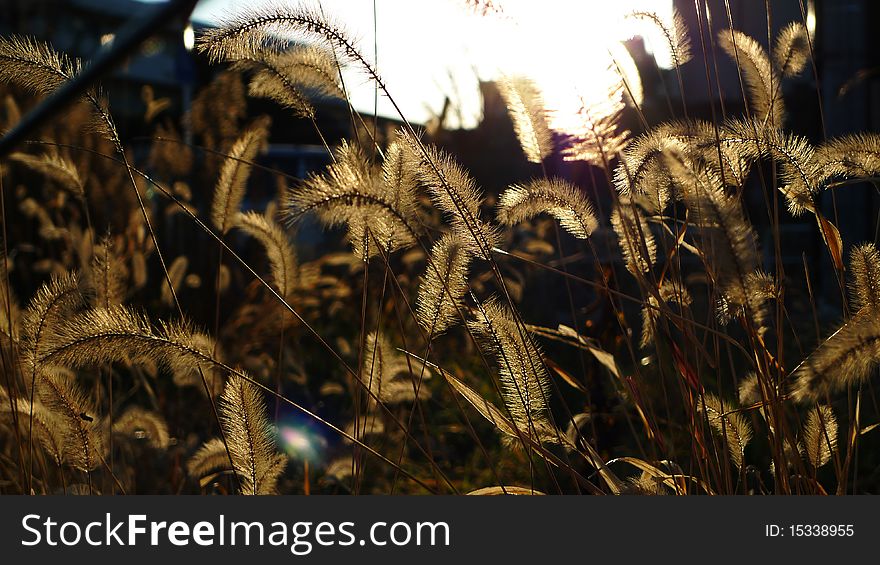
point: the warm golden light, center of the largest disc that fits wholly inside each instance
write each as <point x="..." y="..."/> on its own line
<point x="189" y="37"/>
<point x="811" y="18"/>
<point x="574" y="53"/>
<point x="429" y="52"/>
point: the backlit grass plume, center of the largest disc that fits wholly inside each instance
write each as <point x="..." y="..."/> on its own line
<point x="847" y="157"/>
<point x="562" y="200"/>
<point x="763" y="80"/>
<point x="865" y="267"/>
<point x="800" y="171"/>
<point x="674" y="32"/>
<point x="108" y="275"/>
<point x="637" y="244"/>
<point x="53" y="303"/>
<point x="84" y="440"/>
<point x="749" y="390"/>
<point x="291" y="77"/>
<point x="36" y="67"/>
<point x="641" y="170"/>
<point x="209" y="458"/>
<point x="486" y="409"/>
<point x="454" y="191"/>
<point x="595" y="134"/>
<point x="256" y="29"/>
<point x="234" y="174"/>
<point x="143" y="425"/>
<point x="444" y="285"/>
<point x="99" y="355"/>
<point x="313" y="69"/>
<point x="33" y="65"/>
<point x="276" y="28"/>
<point x="388" y="374"/>
<point x="819" y="436"/>
<point x="55" y="167"/>
<point x="399" y="185"/>
<point x="282" y="256"/>
<point x="351" y="193"/>
<point x="46" y="427"/>
<point x="10" y="314"/>
<point x="727" y="239"/>
<point x="271" y="82"/>
<point x="524" y="381"/>
<point x="526" y="108"/>
<point x="249" y="436"/>
<point x="636" y="161"/>
<point x="729" y="425"/>
<point x="849" y="356"/>
<point x="106" y="335"/>
<point x="791" y="53"/>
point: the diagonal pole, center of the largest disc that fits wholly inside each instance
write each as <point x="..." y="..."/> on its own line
<point x="133" y="33"/>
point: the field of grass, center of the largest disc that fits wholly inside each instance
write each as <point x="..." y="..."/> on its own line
<point x="640" y="335"/>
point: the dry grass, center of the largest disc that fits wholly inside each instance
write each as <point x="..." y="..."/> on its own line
<point x="134" y="364"/>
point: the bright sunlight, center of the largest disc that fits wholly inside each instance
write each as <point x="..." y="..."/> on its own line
<point x="537" y="40"/>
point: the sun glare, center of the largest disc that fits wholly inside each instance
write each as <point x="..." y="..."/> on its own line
<point x="574" y="53"/>
<point x="435" y="50"/>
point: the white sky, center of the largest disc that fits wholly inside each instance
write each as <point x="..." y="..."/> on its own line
<point x="430" y="49"/>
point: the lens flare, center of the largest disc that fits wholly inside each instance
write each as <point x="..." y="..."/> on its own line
<point x="300" y="441"/>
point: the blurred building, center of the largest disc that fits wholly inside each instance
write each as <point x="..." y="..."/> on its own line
<point x="168" y="65"/>
<point x="80" y="28"/>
